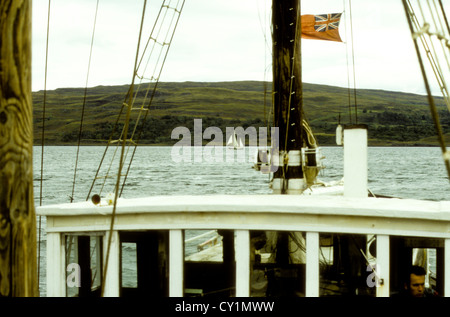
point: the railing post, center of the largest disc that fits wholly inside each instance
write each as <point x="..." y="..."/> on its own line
<point x="55" y="265"/>
<point x="382" y="267"/>
<point x="312" y="264"/>
<point x="447" y="268"/>
<point x="242" y="253"/>
<point x="112" y="280"/>
<point x="176" y="263"/>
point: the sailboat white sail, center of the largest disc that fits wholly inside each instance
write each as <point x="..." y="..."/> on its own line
<point x="241" y="145"/>
<point x="233" y="143"/>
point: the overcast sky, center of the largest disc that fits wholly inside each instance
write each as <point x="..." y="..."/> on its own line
<point x="222" y="40"/>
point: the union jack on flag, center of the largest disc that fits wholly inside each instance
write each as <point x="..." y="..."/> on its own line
<point x="325" y="22"/>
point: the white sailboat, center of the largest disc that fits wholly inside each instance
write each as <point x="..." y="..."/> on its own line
<point x="234" y="143"/>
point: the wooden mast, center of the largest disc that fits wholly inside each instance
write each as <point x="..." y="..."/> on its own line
<point x="287" y="104"/>
<point x="287" y="99"/>
<point x="18" y="262"/>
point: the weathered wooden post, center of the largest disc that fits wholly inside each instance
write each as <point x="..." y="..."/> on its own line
<point x="18" y="263"/>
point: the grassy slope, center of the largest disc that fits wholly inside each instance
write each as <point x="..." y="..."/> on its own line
<point x="393" y="118"/>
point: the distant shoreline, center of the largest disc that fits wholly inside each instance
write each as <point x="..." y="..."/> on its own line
<point x="394" y="118"/>
<point x="167" y="144"/>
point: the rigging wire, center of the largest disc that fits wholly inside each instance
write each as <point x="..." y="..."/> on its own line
<point x="348" y="74"/>
<point x="267" y="114"/>
<point x="42" y="138"/>
<point x="153" y="94"/>
<point x="432" y="54"/>
<point x="353" y="59"/>
<point x="167" y="42"/>
<point x="434" y="63"/>
<point x="444" y="46"/>
<point x="135" y="133"/>
<point x="84" y="105"/>
<point x="445" y="16"/>
<point x="433" y="109"/>
<point x="263" y="25"/>
<point x="122" y="153"/>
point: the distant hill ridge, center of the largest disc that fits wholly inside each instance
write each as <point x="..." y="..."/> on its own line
<point x="394" y="118"/>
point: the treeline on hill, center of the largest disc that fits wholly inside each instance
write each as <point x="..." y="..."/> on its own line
<point x="159" y="130"/>
<point x="391" y="128"/>
<point x="393" y="118"/>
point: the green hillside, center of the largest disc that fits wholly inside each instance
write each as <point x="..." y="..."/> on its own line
<point x="393" y="118"/>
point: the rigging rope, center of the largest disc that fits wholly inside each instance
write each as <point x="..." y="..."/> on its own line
<point x="42" y="138"/>
<point x="416" y="34"/>
<point x="348" y="76"/>
<point x="129" y="100"/>
<point x="432" y="53"/>
<point x="353" y="59"/>
<point x="158" y="39"/>
<point x="445" y="16"/>
<point x="113" y="216"/>
<point x="44" y="103"/>
<point x="267" y="116"/>
<point x="161" y="60"/>
<point x="84" y="105"/>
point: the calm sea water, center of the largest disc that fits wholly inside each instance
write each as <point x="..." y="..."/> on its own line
<point x="406" y="172"/>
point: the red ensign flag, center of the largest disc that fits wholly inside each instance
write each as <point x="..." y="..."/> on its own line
<point x="321" y="27"/>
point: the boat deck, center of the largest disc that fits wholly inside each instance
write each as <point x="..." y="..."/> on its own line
<point x="307" y="221"/>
